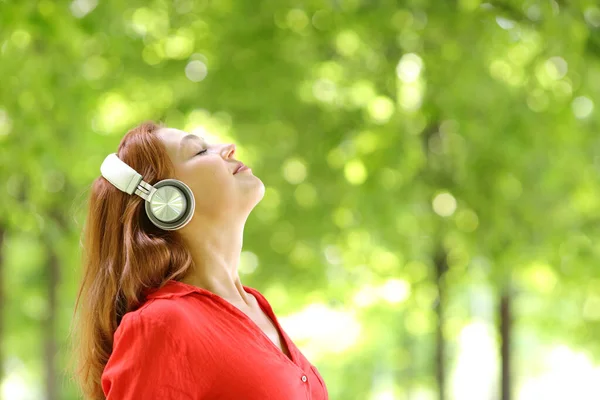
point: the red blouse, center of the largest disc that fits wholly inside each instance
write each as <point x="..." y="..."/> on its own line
<point x="186" y="342"/>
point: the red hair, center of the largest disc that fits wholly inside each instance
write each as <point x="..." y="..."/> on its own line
<point x="124" y="255"/>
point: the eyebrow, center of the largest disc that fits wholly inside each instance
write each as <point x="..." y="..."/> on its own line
<point x="189" y="137"/>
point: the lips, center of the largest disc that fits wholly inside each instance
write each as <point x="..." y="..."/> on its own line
<point x="239" y="167"/>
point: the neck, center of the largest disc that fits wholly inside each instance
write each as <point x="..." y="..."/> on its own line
<point x="216" y="254"/>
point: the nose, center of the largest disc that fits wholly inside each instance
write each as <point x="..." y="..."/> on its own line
<point x="228" y="151"/>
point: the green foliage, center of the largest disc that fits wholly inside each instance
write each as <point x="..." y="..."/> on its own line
<point x="384" y="132"/>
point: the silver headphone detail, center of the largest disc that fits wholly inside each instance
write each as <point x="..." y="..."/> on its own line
<point x="169" y="203"/>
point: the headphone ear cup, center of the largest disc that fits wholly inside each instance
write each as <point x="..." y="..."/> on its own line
<point x="172" y="206"/>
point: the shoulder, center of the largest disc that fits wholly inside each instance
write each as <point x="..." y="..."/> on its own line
<point x="158" y="317"/>
<point x="162" y="311"/>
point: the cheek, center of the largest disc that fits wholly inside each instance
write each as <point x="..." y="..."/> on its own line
<point x="206" y="173"/>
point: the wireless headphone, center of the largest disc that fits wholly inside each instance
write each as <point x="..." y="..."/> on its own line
<point x="169" y="203"/>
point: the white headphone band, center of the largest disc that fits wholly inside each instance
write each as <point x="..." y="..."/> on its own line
<point x="125" y="178"/>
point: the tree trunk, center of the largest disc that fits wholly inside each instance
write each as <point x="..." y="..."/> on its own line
<point x="440" y="355"/>
<point x="505" y="350"/>
<point x="49" y="324"/>
<point x="2" y="232"/>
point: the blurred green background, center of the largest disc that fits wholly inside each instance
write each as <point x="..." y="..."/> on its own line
<point x="431" y="220"/>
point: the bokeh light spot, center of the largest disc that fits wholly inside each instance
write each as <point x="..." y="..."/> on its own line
<point x="395" y="291"/>
<point x="272" y="198"/>
<point x="592" y="16"/>
<point x="355" y="172"/>
<point x="381" y="109"/>
<point x="297" y="19"/>
<point x="196" y="71"/>
<point x="505" y="23"/>
<point x="366" y="296"/>
<point x="410" y="95"/>
<point x="294" y="170"/>
<point x="5" y="123"/>
<point x="562" y="89"/>
<point x="343" y="217"/>
<point x="444" y="204"/>
<point x="366" y="142"/>
<point x="322" y="19"/>
<point x="248" y="262"/>
<point x="409" y="68"/>
<point x="114" y="114"/>
<point x="468" y="5"/>
<point x="361" y="93"/>
<point x="347" y="43"/>
<point x="21" y="38"/>
<point x="539" y="276"/>
<point x="385" y="262"/>
<point x="81" y="8"/>
<point x="582" y="107"/>
<point x="591" y="308"/>
<point x="147" y="21"/>
<point x="324" y="90"/>
<point x="181" y="45"/>
<point x="321" y="330"/>
<point x="331" y="70"/>
<point x="556" y="67"/>
<point x="534" y="12"/>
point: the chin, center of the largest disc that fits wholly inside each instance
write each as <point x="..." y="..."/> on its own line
<point x="251" y="193"/>
<point x="259" y="193"/>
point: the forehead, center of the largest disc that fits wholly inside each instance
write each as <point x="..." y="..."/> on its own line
<point x="171" y="137"/>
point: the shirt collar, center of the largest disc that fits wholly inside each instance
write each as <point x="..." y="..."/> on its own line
<point x="173" y="288"/>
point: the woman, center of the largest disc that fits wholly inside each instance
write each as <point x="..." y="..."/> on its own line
<point x="164" y="313"/>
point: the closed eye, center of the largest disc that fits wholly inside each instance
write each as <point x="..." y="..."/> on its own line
<point x="202" y="152"/>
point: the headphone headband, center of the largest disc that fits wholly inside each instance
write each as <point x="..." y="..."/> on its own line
<point x="120" y="174"/>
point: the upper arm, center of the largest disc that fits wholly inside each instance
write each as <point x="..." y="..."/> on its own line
<point x="147" y="362"/>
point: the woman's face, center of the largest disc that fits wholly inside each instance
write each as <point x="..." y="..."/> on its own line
<point x="210" y="171"/>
